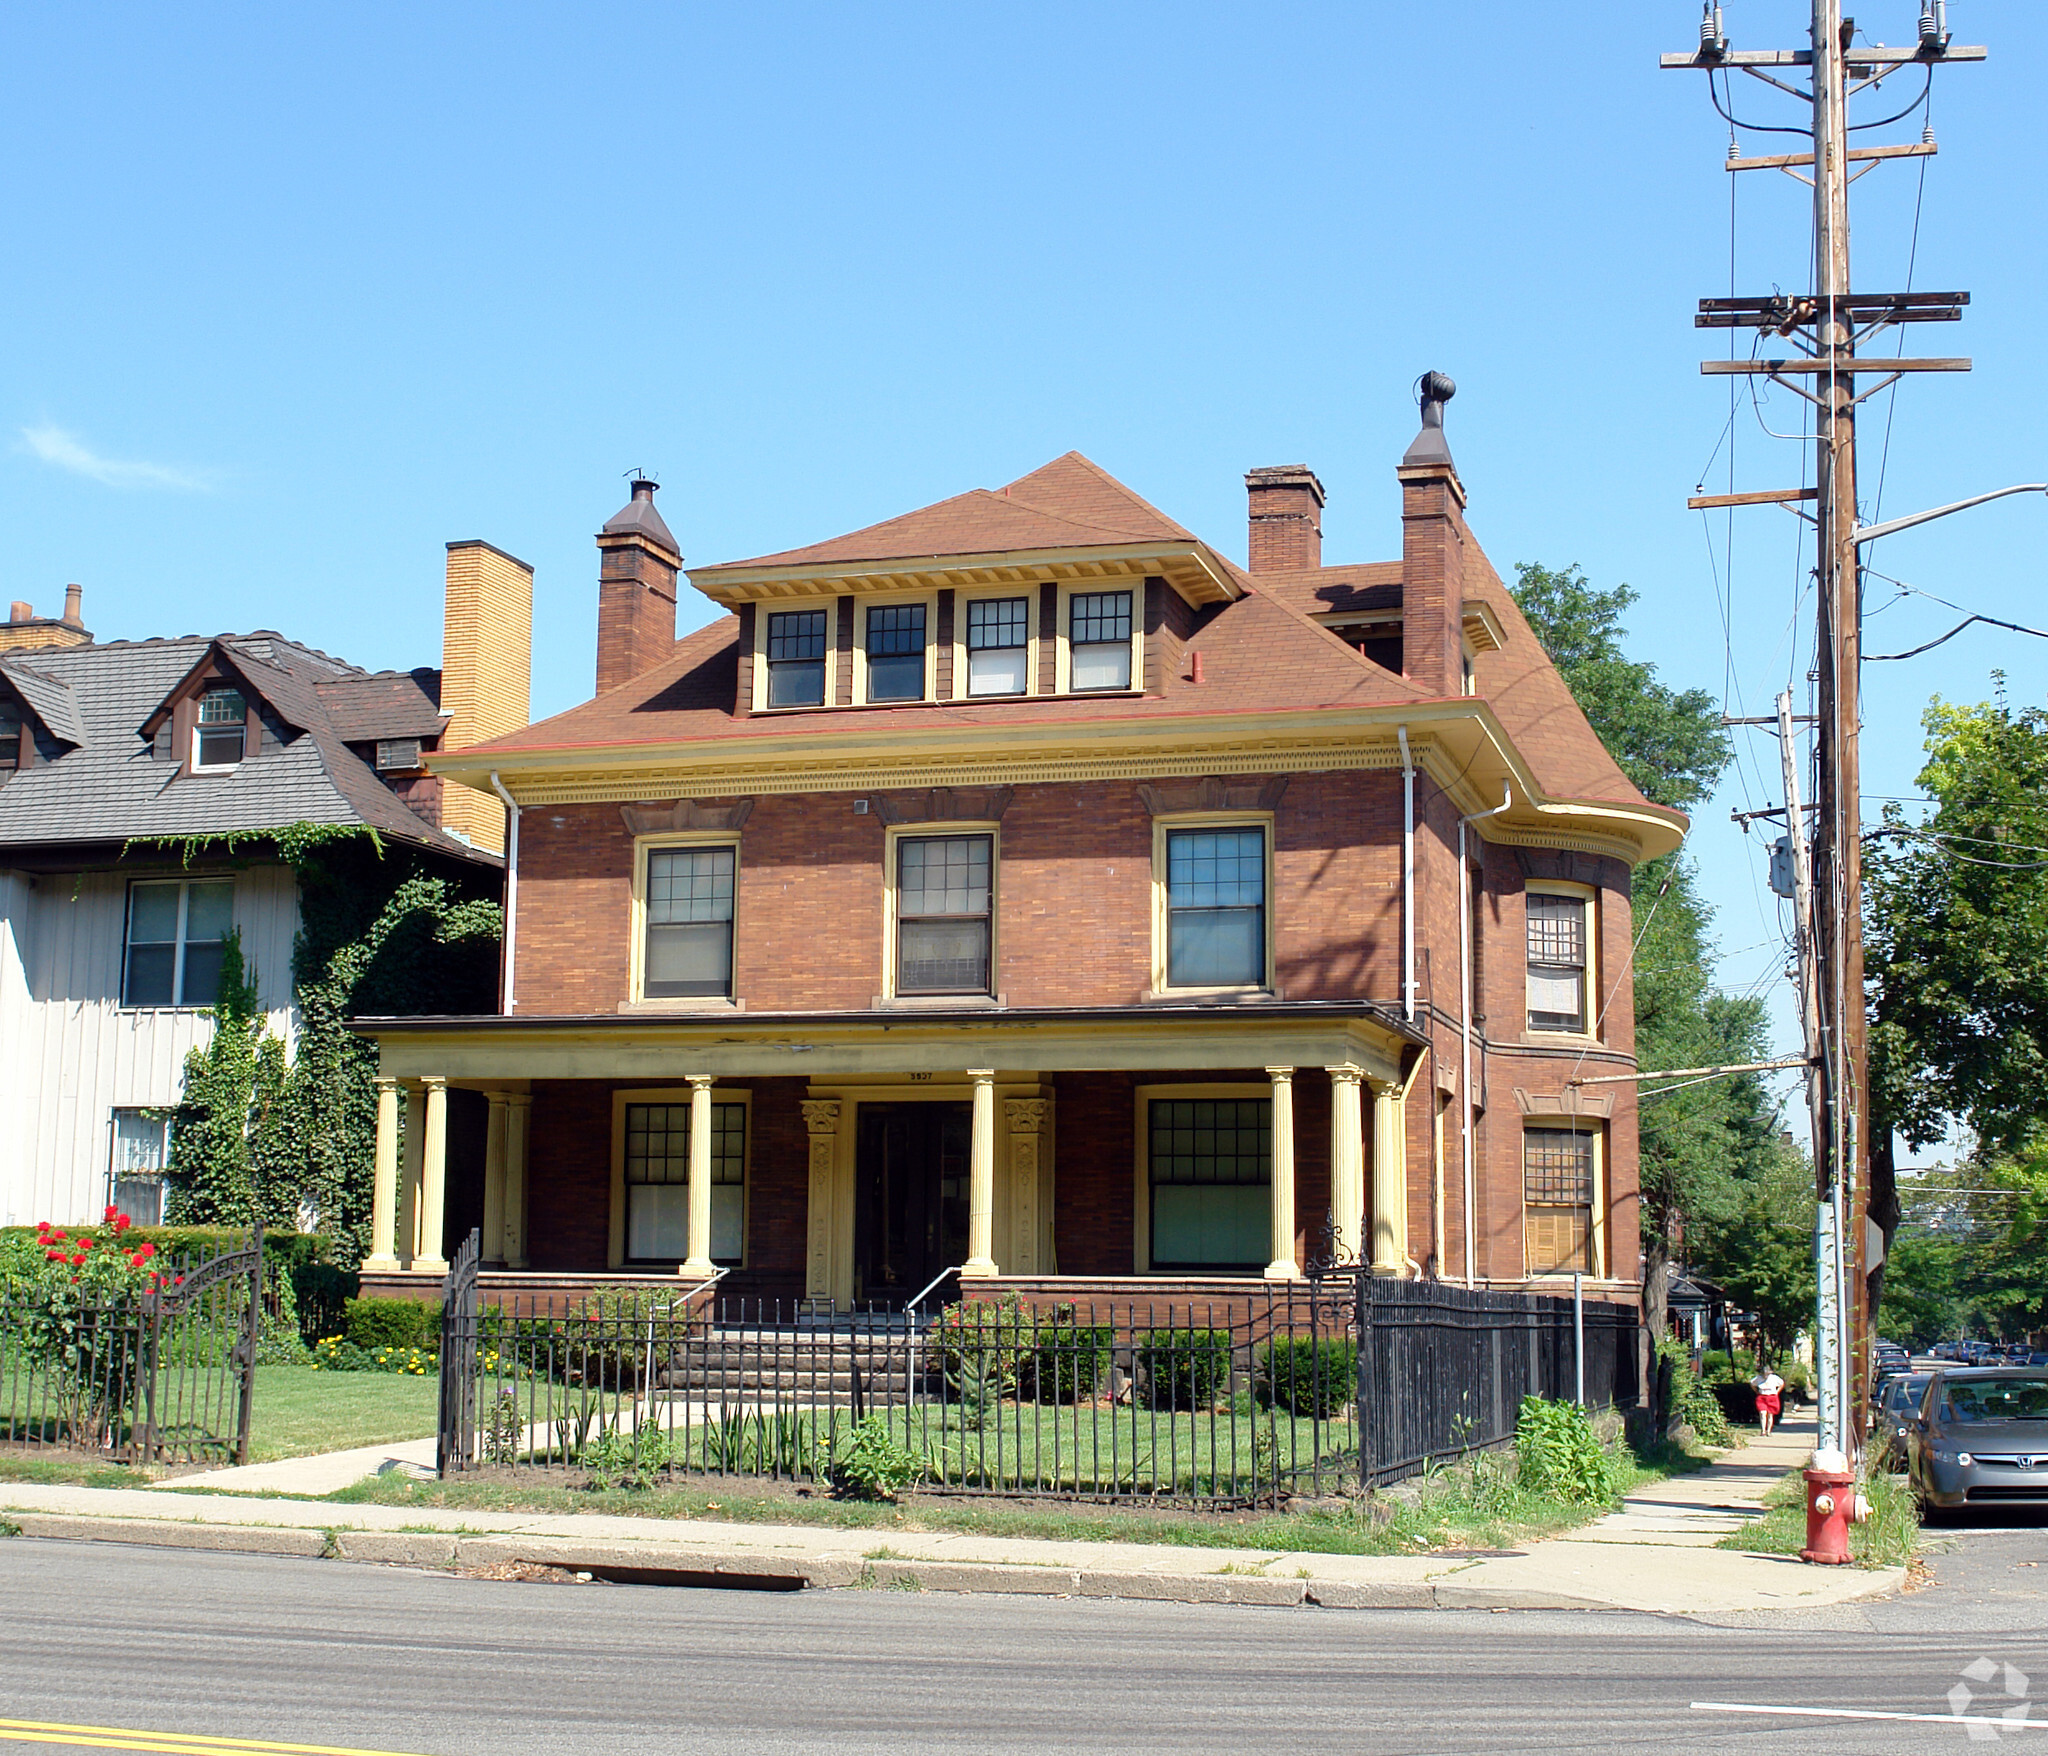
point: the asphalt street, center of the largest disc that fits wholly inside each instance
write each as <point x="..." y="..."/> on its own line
<point x="194" y="1647"/>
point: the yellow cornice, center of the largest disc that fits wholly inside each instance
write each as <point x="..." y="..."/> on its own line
<point x="1459" y="744"/>
<point x="1193" y="567"/>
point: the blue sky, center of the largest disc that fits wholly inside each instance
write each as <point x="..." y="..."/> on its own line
<point x="296" y="295"/>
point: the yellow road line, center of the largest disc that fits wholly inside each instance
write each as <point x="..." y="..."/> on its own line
<point x="37" y="1731"/>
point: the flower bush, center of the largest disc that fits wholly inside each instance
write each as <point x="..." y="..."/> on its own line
<point x="338" y="1354"/>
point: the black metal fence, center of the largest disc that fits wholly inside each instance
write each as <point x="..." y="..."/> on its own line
<point x="161" y="1377"/>
<point x="1444" y="1368"/>
<point x="1239" y="1402"/>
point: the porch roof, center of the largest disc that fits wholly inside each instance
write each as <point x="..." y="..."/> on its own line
<point x="836" y="1045"/>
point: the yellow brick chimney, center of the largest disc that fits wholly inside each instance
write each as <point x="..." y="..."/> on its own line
<point x="24" y="630"/>
<point x="486" y="673"/>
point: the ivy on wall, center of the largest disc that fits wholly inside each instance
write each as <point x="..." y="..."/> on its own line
<point x="383" y="932"/>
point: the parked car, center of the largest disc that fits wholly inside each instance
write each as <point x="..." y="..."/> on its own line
<point x="1894" y="1405"/>
<point x="1980" y="1438"/>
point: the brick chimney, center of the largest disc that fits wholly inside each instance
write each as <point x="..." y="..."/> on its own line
<point x="1432" y="550"/>
<point x="636" y="590"/>
<point x="486" y="673"/>
<point x="24" y="630"/>
<point x="1286" y="518"/>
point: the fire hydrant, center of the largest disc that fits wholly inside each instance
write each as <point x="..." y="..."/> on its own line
<point x="1832" y="1505"/>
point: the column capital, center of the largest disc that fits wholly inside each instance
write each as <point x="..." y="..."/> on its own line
<point x="1026" y="1115"/>
<point x="386" y="1082"/>
<point x="1345" y="1073"/>
<point x="519" y="1100"/>
<point x="1280" y="1075"/>
<point x="701" y="1081"/>
<point x="496" y="1099"/>
<point x="982" y="1075"/>
<point x="433" y="1082"/>
<point x="821" y="1115"/>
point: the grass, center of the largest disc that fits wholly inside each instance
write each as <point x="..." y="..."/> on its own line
<point x="1889" y="1537"/>
<point x="1476" y="1505"/>
<point x="69" y="1471"/>
<point x="299" y="1411"/>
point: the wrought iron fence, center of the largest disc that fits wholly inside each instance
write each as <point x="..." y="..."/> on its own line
<point x="147" y="1378"/>
<point x="1443" y="1369"/>
<point x="1223" y="1402"/>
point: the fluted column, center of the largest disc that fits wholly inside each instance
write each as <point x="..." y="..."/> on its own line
<point x="383" y="1256"/>
<point x="409" y="1248"/>
<point x="1389" y="1180"/>
<point x="494" y="1179"/>
<point x="518" y="1118"/>
<point x="1347" y="1160"/>
<point x="821" y="1123"/>
<point x="981" y="1179"/>
<point x="433" y="1179"/>
<point x="699" y="1265"/>
<point x="1283" y="1266"/>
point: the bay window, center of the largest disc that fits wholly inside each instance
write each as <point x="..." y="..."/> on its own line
<point x="1558" y="942"/>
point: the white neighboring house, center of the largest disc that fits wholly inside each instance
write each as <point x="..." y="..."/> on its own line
<point x="110" y="937"/>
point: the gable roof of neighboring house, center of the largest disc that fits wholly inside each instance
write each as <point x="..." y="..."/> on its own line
<point x="109" y="786"/>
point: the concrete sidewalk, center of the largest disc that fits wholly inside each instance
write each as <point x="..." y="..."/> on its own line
<point x="1653" y="1555"/>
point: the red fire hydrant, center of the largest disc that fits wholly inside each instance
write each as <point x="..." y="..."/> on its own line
<point x="1830" y="1508"/>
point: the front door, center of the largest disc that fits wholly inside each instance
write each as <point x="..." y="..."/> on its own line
<point x="910" y="1212"/>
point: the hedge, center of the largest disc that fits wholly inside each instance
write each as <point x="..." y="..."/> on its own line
<point x="1184" y="1368"/>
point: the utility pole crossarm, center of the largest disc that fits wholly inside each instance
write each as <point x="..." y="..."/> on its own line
<point x="1828" y="366"/>
<point x="1707" y="60"/>
<point x="1869" y="533"/>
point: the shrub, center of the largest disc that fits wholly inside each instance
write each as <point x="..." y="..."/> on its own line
<point x="338" y="1355"/>
<point x="1071" y="1361"/>
<point x="1691" y="1401"/>
<point x="870" y="1463"/>
<point x="983" y="1345"/>
<point x="375" y="1323"/>
<point x="1560" y="1456"/>
<point x="1185" y="1368"/>
<point x="1309" y="1376"/>
<point x="615" y="1459"/>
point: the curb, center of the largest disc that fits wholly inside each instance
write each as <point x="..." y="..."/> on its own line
<point x="654" y="1563"/>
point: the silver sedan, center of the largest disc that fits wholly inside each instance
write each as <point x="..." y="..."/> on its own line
<point x="1980" y="1439"/>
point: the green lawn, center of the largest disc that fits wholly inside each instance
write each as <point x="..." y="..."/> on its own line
<point x="1889" y="1537"/>
<point x="299" y="1410"/>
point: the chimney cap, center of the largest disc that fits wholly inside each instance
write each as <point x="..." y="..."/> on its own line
<point x="1285" y="475"/>
<point x="1432" y="391"/>
<point x="638" y="518"/>
<point x="74" y="610"/>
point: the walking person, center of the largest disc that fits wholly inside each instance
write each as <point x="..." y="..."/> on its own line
<point x="1770" y="1388"/>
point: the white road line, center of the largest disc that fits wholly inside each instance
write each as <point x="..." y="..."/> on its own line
<point x="1994" y="1721"/>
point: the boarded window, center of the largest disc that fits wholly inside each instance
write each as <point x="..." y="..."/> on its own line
<point x="1557" y="1199"/>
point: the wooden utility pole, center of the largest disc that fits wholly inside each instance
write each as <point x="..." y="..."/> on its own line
<point x="1826" y="327"/>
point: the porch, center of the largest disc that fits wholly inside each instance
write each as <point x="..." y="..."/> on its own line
<point x="846" y="1161"/>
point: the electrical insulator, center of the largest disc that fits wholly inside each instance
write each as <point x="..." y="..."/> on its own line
<point x="1934" y="25"/>
<point x="1713" y="40"/>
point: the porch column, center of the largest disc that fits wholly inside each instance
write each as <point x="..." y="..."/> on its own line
<point x="981" y="1179"/>
<point x="700" y="1266"/>
<point x="518" y="1114"/>
<point x="1283" y="1266"/>
<point x="433" y="1179"/>
<point x="1347" y="1160"/>
<point x="1026" y="1117"/>
<point x="494" y="1179"/>
<point x="383" y="1257"/>
<point x="821" y="1123"/>
<point x="1389" y="1180"/>
<point x="409" y="1179"/>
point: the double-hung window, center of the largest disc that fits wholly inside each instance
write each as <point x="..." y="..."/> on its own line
<point x="943" y="893"/>
<point x="1557" y="1199"/>
<point x="1099" y="640"/>
<point x="1216" y="908"/>
<point x="796" y="658"/>
<point x="998" y="645"/>
<point x="895" y="652"/>
<point x="688" y="950"/>
<point x="1210" y="1162"/>
<point x="221" y="737"/>
<point x="657" y="1153"/>
<point x="1557" y="961"/>
<point x="176" y="938"/>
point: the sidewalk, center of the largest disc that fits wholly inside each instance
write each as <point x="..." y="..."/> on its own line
<point x="1653" y="1555"/>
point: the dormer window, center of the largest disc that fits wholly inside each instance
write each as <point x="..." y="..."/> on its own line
<point x="220" y="739"/>
<point x="998" y="645"/>
<point x="895" y="652"/>
<point x="796" y="659"/>
<point x="10" y="739"/>
<point x="1099" y="640"/>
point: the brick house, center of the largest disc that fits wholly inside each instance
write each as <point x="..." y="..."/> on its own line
<point x="1021" y="887"/>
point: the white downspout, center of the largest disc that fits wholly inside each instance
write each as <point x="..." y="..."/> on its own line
<point x="511" y="884"/>
<point x="1407" y="877"/>
<point x="1465" y="1023"/>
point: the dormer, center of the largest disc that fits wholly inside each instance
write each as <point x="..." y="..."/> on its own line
<point x="216" y="717"/>
<point x="1062" y="583"/>
<point x="39" y="719"/>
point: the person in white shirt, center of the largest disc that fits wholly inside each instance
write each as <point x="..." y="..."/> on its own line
<point x="1769" y="1392"/>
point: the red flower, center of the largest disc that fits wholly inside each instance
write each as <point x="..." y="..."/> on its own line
<point x="42" y="1226"/>
<point x="112" y="1212"/>
<point x="144" y="1253"/>
<point x="78" y="1261"/>
<point x="121" y="1223"/>
<point x="57" y="1237"/>
<point x="53" y="1255"/>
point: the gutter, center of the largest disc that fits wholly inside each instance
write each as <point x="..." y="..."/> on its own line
<point x="1465" y="1023"/>
<point x="1407" y="877"/>
<point x="511" y="885"/>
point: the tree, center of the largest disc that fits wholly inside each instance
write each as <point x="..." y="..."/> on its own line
<point x="1759" y="1244"/>
<point x="1695" y="1142"/>
<point x="1956" y="952"/>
